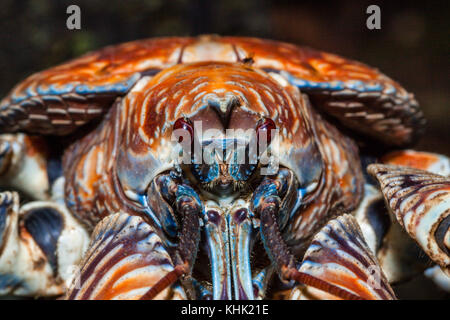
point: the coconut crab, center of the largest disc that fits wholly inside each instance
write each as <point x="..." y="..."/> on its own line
<point x="153" y="198"/>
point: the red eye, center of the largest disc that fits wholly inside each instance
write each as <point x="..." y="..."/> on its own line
<point x="267" y="125"/>
<point x="186" y="125"/>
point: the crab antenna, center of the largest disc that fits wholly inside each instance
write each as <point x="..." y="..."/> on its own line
<point x="187" y="246"/>
<point x="317" y="283"/>
<point x="284" y="260"/>
<point x="166" y="281"/>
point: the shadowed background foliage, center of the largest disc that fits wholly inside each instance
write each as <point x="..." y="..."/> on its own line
<point x="412" y="46"/>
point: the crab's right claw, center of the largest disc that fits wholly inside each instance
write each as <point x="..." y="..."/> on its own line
<point x="339" y="264"/>
<point x="40" y="242"/>
<point x="125" y="260"/>
<point x="420" y="201"/>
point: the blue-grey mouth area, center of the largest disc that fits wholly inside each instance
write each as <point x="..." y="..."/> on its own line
<point x="225" y="143"/>
<point x="229" y="240"/>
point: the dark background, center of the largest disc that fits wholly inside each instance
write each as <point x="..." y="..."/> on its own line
<point x="412" y="46"/>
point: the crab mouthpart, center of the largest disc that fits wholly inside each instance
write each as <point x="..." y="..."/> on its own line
<point x="229" y="236"/>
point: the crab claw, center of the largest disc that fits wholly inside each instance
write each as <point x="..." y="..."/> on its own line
<point x="339" y="262"/>
<point x="229" y="240"/>
<point x="125" y="260"/>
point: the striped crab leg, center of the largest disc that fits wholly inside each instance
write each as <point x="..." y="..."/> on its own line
<point x="420" y="201"/>
<point x="125" y="259"/>
<point x="399" y="255"/>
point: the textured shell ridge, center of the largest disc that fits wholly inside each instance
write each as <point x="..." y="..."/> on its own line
<point x="60" y="99"/>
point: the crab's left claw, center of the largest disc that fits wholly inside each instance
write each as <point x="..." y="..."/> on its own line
<point x="339" y="264"/>
<point x="125" y="260"/>
<point x="420" y="201"/>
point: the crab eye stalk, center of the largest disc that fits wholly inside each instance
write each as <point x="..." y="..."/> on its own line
<point x="182" y="129"/>
<point x="264" y="128"/>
